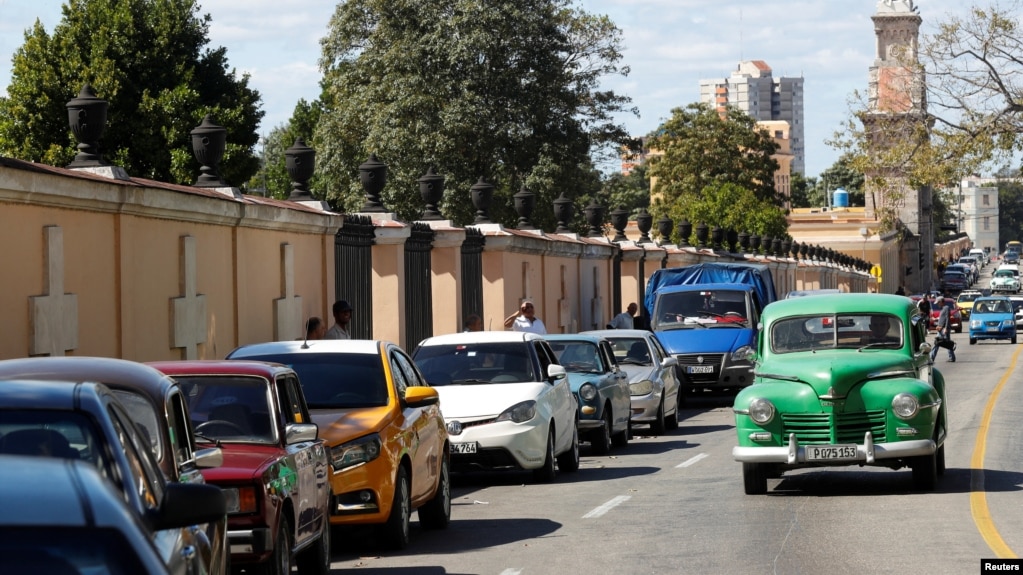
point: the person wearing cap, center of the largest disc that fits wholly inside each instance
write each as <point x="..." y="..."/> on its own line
<point x="524" y="319"/>
<point x="342" y="315"/>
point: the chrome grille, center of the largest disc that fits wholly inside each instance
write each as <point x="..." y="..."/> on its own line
<point x="848" y="427"/>
<point x="714" y="359"/>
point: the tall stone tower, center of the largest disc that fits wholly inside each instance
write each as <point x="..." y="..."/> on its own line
<point x="897" y="108"/>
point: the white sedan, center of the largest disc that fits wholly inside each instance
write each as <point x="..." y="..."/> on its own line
<point x="506" y="402"/>
<point x="1004" y="280"/>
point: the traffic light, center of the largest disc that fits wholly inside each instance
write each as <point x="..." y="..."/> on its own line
<point x="920" y="257"/>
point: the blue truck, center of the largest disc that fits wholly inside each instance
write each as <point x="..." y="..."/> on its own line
<point x="703" y="314"/>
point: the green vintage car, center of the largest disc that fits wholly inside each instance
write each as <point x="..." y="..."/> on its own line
<point x="840" y="380"/>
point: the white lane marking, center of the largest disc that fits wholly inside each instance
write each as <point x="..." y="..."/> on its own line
<point x="607" y="507"/>
<point x="511" y="572"/>
<point x="691" y="461"/>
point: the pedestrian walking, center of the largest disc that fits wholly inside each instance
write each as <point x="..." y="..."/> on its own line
<point x="944" y="337"/>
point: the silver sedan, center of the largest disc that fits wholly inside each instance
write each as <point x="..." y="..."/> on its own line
<point x="653" y="382"/>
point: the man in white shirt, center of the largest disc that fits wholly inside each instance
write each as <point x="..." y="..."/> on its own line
<point x="625" y="320"/>
<point x="342" y="316"/>
<point x="525" y="319"/>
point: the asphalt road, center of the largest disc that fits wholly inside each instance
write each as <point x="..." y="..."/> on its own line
<point x="675" y="503"/>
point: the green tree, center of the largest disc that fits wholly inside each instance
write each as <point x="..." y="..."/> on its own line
<point x="272" y="178"/>
<point x="1010" y="211"/>
<point x="801" y="188"/>
<point x="730" y="206"/>
<point x="630" y="191"/>
<point x="697" y="148"/>
<point x="149" y="59"/>
<point x="506" y="90"/>
<point x="842" y="174"/>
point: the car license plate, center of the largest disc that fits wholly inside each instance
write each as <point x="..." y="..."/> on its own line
<point x="464" y="447"/>
<point x="830" y="452"/>
<point x="992" y="328"/>
<point x="700" y="369"/>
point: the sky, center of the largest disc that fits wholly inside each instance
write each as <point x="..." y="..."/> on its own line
<point x="670" y="45"/>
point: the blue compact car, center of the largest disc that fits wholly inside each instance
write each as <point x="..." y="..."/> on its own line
<point x="992" y="318"/>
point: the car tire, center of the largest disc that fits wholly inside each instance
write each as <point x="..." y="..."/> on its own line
<point x="672" y="421"/>
<point x="281" y="560"/>
<point x="959" y="329"/>
<point x="973" y="341"/>
<point x="546" y="473"/>
<point x="1013" y="340"/>
<point x="436" y="513"/>
<point x="316" y="559"/>
<point x="925" y="472"/>
<point x="657" y="426"/>
<point x="621" y="439"/>
<point x="754" y="478"/>
<point x="396" y="531"/>
<point x="600" y="438"/>
<point x="569" y="460"/>
<point x="939" y="460"/>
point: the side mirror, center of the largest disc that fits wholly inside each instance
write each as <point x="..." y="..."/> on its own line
<point x="555" y="372"/>
<point x="187" y="504"/>
<point x="300" y="432"/>
<point x="418" y="396"/>
<point x="925" y="347"/>
<point x="209" y="458"/>
<point x="669" y="361"/>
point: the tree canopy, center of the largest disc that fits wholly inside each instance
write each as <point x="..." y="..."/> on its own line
<point x="697" y="154"/>
<point x="149" y="59"/>
<point x="506" y="90"/>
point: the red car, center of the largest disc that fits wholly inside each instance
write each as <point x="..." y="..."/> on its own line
<point x="955" y="318"/>
<point x="275" y="473"/>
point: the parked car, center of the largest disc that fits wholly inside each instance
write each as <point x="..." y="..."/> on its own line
<point x="1017" y="310"/>
<point x="85" y="421"/>
<point x="955" y="318"/>
<point x="600" y="387"/>
<point x="154" y="402"/>
<point x="954" y="281"/>
<point x="1004" y="281"/>
<point x="507" y="402"/>
<point x="830" y="392"/>
<point x="98" y="533"/>
<point x="992" y="318"/>
<point x="275" y="471"/>
<point x="654" y="389"/>
<point x="382" y="422"/>
<point x="965" y="303"/>
<point x="969" y="271"/>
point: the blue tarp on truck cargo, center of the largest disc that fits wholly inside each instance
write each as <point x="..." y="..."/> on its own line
<point x="757" y="275"/>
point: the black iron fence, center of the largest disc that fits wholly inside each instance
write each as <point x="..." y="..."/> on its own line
<point x="353" y="272"/>
<point x="418" y="282"/>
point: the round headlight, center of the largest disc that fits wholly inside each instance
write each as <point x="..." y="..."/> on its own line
<point x="761" y="411"/>
<point x="587" y="391"/>
<point x="905" y="405"/>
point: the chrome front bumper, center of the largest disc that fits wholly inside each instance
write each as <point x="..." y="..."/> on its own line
<point x="249" y="541"/>
<point x="868" y="452"/>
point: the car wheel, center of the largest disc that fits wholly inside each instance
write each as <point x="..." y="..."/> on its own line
<point x="601" y="437"/>
<point x="621" y="439"/>
<point x="671" y="422"/>
<point x="925" y="472"/>
<point x="316" y="559"/>
<point x="546" y="473"/>
<point x="754" y="478"/>
<point x="657" y="426"/>
<point x="959" y="329"/>
<point x="569" y="460"/>
<point x="1013" y="340"/>
<point x="396" y="531"/>
<point x="436" y="513"/>
<point x="280" y="560"/>
<point x="939" y="462"/>
<point x="973" y="341"/>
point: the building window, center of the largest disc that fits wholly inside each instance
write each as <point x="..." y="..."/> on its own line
<point x="986" y="202"/>
<point x="987" y="222"/>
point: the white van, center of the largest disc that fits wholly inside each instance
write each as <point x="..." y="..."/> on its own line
<point x="980" y="255"/>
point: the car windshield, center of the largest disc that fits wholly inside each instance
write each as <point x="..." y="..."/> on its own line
<point x="991" y="306"/>
<point x="336" y="380"/>
<point x="229" y="408"/>
<point x="843" y="331"/>
<point x="1004" y="274"/>
<point x="967" y="297"/>
<point x="476" y="363"/>
<point x="631" y="350"/>
<point x="54" y="433"/>
<point x="702" y="309"/>
<point x="578" y="356"/>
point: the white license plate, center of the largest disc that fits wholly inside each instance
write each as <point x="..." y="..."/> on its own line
<point x="992" y="328"/>
<point x="700" y="369"/>
<point x="830" y="452"/>
<point x="464" y="447"/>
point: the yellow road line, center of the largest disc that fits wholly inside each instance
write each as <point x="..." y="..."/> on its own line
<point x="978" y="497"/>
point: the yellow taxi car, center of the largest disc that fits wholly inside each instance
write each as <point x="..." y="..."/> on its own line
<point x="965" y="302"/>
<point x="382" y="422"/>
